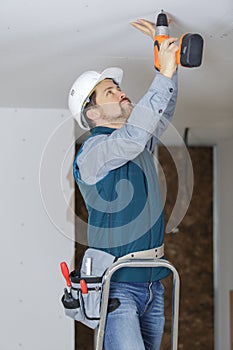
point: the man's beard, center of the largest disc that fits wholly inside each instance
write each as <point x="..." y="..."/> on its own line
<point x="121" y="116"/>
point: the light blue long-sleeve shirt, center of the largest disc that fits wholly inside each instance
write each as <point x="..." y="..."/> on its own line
<point x="147" y="122"/>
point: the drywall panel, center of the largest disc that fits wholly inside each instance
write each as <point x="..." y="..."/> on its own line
<point x="33" y="241"/>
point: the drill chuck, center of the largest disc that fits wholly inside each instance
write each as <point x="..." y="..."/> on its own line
<point x="162" y="20"/>
<point x="162" y="25"/>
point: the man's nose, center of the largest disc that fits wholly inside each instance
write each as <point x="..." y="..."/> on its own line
<point x="122" y="95"/>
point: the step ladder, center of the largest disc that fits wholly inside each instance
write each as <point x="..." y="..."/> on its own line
<point x="99" y="337"/>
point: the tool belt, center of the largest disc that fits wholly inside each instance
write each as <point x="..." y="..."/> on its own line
<point x="82" y="301"/>
<point x="155" y="253"/>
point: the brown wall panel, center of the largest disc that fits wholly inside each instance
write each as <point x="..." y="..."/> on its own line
<point x="191" y="251"/>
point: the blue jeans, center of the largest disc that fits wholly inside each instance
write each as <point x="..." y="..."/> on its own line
<point x="138" y="323"/>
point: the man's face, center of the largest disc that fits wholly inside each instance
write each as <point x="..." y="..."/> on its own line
<point x="114" y="105"/>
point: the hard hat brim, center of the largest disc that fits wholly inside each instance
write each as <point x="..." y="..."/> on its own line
<point x="112" y="73"/>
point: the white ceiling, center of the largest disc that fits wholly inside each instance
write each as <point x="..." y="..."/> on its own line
<point x="46" y="44"/>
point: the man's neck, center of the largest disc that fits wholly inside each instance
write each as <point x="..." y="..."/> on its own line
<point x="111" y="125"/>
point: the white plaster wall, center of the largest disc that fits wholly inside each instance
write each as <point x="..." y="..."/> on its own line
<point x="224" y="242"/>
<point x="33" y="242"/>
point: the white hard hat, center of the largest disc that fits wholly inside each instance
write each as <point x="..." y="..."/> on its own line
<point x="84" y="86"/>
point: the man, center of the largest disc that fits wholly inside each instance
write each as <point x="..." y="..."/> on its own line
<point x="115" y="172"/>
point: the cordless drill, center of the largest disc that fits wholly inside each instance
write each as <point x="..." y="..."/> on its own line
<point x="190" y="45"/>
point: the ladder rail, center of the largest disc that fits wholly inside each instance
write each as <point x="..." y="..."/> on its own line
<point x="139" y="263"/>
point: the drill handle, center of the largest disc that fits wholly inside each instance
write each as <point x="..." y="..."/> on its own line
<point x="158" y="39"/>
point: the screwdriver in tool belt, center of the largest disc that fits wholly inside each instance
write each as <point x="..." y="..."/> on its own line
<point x="83" y="286"/>
<point x="66" y="275"/>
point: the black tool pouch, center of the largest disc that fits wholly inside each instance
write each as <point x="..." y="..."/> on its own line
<point x="84" y="305"/>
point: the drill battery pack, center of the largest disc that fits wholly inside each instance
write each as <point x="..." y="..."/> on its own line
<point x="191" y="48"/>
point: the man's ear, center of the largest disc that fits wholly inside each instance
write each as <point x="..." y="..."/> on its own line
<point x="93" y="113"/>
